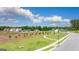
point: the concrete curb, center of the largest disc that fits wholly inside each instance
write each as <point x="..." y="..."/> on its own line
<point x="59" y="44"/>
<point x="53" y="44"/>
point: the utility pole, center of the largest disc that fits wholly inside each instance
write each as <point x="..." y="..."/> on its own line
<point x="57" y="33"/>
<point x="58" y="36"/>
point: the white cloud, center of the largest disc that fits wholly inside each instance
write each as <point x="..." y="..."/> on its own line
<point x="8" y="12"/>
<point x="66" y="20"/>
<point x="23" y="12"/>
<point x="35" y="18"/>
<point x="13" y="10"/>
<point x="56" y="19"/>
<point x="53" y="24"/>
<point x="36" y="21"/>
<point x="3" y="20"/>
<point x="53" y="18"/>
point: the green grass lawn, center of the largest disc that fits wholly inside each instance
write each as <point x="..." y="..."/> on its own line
<point x="61" y="35"/>
<point x="30" y="44"/>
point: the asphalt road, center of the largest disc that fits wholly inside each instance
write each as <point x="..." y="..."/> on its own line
<point x="70" y="44"/>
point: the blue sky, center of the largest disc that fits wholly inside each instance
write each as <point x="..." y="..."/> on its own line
<point x="66" y="12"/>
<point x="38" y="16"/>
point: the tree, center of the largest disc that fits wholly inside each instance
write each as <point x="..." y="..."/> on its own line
<point x="75" y="23"/>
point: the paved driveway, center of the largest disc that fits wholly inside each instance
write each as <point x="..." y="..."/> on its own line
<point x="71" y="44"/>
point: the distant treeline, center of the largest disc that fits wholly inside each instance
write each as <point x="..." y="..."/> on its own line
<point x="32" y="28"/>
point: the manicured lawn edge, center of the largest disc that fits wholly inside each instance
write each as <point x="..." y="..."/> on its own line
<point x="53" y="44"/>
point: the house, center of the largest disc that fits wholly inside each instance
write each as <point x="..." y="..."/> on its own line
<point x="13" y="29"/>
<point x="36" y="30"/>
